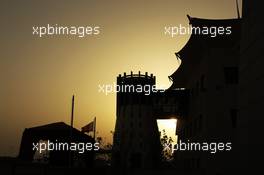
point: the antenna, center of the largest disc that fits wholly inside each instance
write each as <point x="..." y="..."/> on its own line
<point x="238" y="15"/>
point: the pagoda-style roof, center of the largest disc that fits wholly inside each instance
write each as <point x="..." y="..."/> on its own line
<point x="199" y="44"/>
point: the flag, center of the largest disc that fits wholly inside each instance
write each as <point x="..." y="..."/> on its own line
<point x="89" y="127"/>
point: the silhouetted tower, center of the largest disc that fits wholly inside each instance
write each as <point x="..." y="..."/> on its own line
<point x="136" y="137"/>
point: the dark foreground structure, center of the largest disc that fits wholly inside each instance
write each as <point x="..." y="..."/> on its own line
<point x="209" y="69"/>
<point x="211" y="97"/>
<point x="136" y="138"/>
<point x="56" y="133"/>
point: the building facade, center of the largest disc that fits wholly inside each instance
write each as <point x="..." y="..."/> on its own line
<point x="136" y="137"/>
<point x="209" y="69"/>
<point x="251" y="84"/>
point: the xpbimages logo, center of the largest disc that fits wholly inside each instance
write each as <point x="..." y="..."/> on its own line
<point x="64" y="146"/>
<point x="114" y="88"/>
<point x="212" y="31"/>
<point x="79" y="31"/>
<point x="212" y="147"/>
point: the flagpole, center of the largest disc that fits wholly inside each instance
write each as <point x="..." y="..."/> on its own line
<point x="71" y="130"/>
<point x="72" y="112"/>
<point x="238" y="15"/>
<point x="94" y="127"/>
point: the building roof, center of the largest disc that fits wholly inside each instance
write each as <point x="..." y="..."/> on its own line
<point x="198" y="44"/>
<point x="57" y="130"/>
<point x="52" y="126"/>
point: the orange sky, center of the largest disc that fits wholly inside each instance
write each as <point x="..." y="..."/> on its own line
<point x="39" y="75"/>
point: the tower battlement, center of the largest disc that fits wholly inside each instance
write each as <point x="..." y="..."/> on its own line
<point x="136" y="79"/>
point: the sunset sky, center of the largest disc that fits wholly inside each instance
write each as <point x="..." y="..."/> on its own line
<point x="39" y="75"/>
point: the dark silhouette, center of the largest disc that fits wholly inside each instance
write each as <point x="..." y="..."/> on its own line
<point x="55" y="132"/>
<point x="211" y="97"/>
<point x="136" y="137"/>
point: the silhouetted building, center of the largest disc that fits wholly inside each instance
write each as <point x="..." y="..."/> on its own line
<point x="251" y="85"/>
<point x="136" y="138"/>
<point x="209" y="70"/>
<point x="56" y="133"/>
